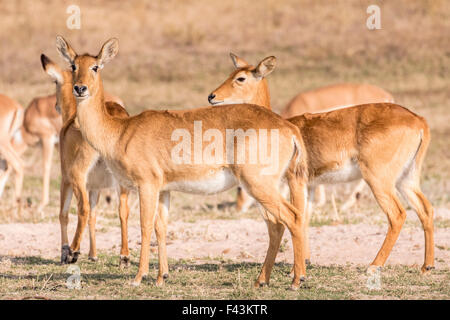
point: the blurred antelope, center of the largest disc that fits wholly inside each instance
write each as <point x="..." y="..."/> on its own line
<point x="83" y="171"/>
<point x="240" y="87"/>
<point x="383" y="143"/>
<point x="11" y="119"/>
<point x="42" y="123"/>
<point x="140" y="152"/>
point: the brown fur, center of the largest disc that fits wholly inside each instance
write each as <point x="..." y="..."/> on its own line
<point x="11" y="119"/>
<point x="383" y="140"/>
<point x="137" y="150"/>
<point x="256" y="91"/>
<point x="83" y="172"/>
<point x="254" y="88"/>
<point x="42" y="123"/>
<point x="335" y="96"/>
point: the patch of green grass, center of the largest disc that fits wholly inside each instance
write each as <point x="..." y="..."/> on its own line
<point x="211" y="279"/>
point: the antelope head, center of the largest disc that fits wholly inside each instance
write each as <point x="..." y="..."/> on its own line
<point x="246" y="84"/>
<point x="85" y="68"/>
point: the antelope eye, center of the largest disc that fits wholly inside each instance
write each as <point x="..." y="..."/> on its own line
<point x="95" y="68"/>
<point x="241" y="79"/>
<point x="73" y="67"/>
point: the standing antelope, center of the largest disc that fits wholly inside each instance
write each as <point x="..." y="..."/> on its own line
<point x="83" y="172"/>
<point x="240" y="87"/>
<point x="11" y="118"/>
<point x="383" y="143"/>
<point x="42" y="123"/>
<point x="335" y="96"/>
<point x="143" y="153"/>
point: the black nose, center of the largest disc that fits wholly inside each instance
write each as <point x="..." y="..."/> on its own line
<point x="80" y="89"/>
<point x="211" y="97"/>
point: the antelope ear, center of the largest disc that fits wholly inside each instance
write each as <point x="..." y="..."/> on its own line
<point x="265" y="67"/>
<point x="238" y="62"/>
<point x="65" y="50"/>
<point x="108" y="51"/>
<point x="52" y="69"/>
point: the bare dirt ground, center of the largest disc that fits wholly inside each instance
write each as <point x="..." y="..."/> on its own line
<point x="240" y="240"/>
<point x="173" y="53"/>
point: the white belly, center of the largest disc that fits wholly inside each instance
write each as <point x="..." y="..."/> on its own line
<point x="346" y="173"/>
<point x="123" y="180"/>
<point x="220" y="181"/>
<point x="100" y="177"/>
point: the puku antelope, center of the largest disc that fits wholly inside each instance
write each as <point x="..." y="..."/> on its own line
<point x="41" y="124"/>
<point x="83" y="172"/>
<point x="11" y="119"/>
<point x="335" y="96"/>
<point x="240" y="87"/>
<point x="331" y="97"/>
<point x="382" y="143"/>
<point x="138" y="151"/>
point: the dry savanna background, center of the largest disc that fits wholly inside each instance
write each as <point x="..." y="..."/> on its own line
<point x="173" y="53"/>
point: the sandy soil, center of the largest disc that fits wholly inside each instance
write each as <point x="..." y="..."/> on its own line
<point x="240" y="240"/>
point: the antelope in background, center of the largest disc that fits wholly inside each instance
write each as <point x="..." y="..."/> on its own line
<point x="83" y="171"/>
<point x="138" y="150"/>
<point x="11" y="119"/>
<point x="240" y="87"/>
<point x="383" y="143"/>
<point x="41" y="124"/>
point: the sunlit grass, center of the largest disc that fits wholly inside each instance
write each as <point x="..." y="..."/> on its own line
<point x="211" y="279"/>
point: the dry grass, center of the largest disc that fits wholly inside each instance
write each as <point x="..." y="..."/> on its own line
<point x="173" y="53"/>
<point x="38" y="278"/>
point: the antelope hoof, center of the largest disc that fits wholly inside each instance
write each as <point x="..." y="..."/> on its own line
<point x="136" y="283"/>
<point x="161" y="279"/>
<point x="426" y="269"/>
<point x="373" y="269"/>
<point x="76" y="254"/>
<point x="138" y="279"/>
<point x="159" y="282"/>
<point x="294" y="287"/>
<point x="124" y="262"/>
<point x="66" y="255"/>
<point x="93" y="259"/>
<point x="260" y="284"/>
<point x="296" y="284"/>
